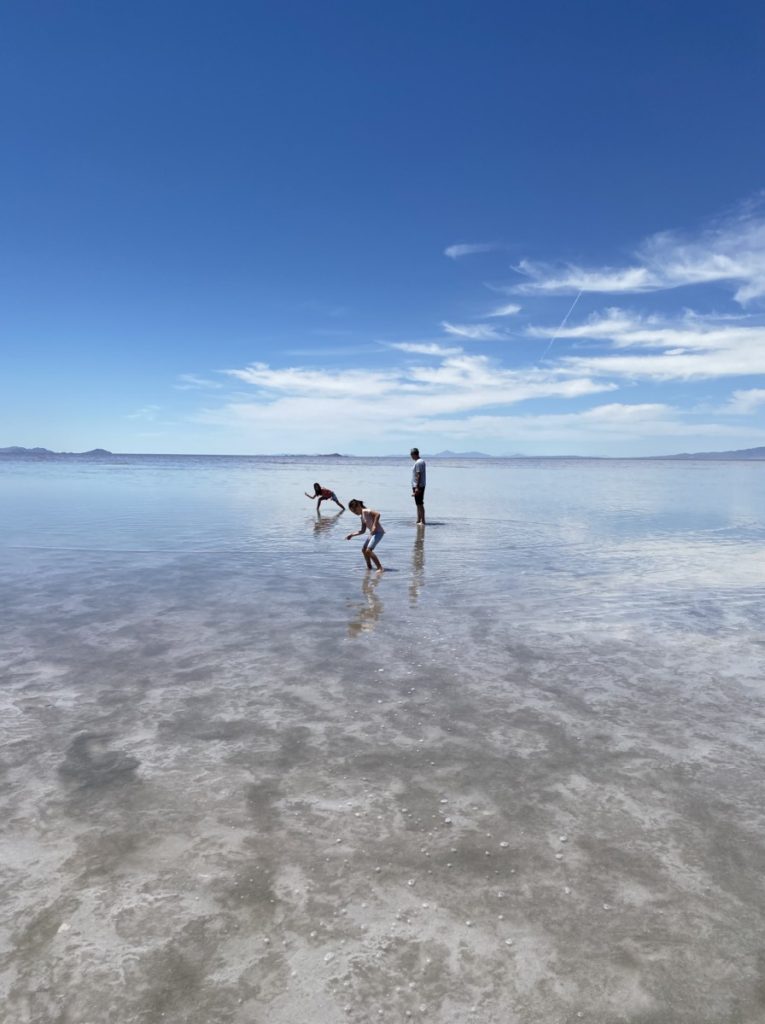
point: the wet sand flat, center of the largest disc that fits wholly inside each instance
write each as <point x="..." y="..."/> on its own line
<point x="518" y="778"/>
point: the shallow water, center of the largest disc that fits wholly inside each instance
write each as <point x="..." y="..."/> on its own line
<point x="228" y="750"/>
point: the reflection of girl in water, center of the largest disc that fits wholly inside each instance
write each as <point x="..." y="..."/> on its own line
<point x="370" y="611"/>
<point x="370" y="520"/>
<point x="324" y="494"/>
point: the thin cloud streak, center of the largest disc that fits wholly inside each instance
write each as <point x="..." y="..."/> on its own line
<point x="473" y="332"/>
<point x="148" y="413"/>
<point x="191" y="382"/>
<point x="424" y="348"/>
<point x="508" y="310"/>
<point x="317" y="383"/>
<point x="547" y="280"/>
<point x="455" y="252"/>
<point x="732" y="251"/>
<point x="614" y="422"/>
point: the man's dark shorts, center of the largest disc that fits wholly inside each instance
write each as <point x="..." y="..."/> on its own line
<point x="419" y="495"/>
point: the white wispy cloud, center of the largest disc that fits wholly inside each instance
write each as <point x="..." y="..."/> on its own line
<point x="372" y="404"/>
<point x="731" y="251"/>
<point x="744" y="402"/>
<point x="147" y="413"/>
<point x="510" y="309"/>
<point x="547" y="279"/>
<point x="622" y="424"/>
<point x="318" y="384"/>
<point x="608" y="417"/>
<point x="425" y="348"/>
<point x="473" y="332"/>
<point x="443" y="389"/>
<point x="612" y="426"/>
<point x="689" y="347"/>
<point x="191" y="382"/>
<point x="454" y="252"/>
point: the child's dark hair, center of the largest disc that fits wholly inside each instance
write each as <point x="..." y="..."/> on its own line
<point x="356" y="501"/>
<point x="316" y="488"/>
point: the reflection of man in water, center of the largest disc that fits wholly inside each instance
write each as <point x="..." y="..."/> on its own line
<point x="370" y="612"/>
<point x="418" y="566"/>
<point x="418" y="485"/>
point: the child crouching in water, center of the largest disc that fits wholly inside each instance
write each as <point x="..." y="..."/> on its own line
<point x="370" y="520"/>
<point x="324" y="494"/>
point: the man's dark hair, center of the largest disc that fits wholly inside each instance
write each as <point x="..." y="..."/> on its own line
<point x="415" y="451"/>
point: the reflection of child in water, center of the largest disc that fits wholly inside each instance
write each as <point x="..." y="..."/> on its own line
<point x="323" y="494"/>
<point x="370" y="611"/>
<point x="370" y="520"/>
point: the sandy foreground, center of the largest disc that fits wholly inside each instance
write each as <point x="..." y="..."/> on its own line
<point x="219" y="808"/>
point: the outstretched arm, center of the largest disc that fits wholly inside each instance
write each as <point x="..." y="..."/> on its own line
<point x="358" y="532"/>
<point x="311" y="496"/>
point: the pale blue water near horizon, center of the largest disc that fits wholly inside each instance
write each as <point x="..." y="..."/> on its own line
<point x="229" y="749"/>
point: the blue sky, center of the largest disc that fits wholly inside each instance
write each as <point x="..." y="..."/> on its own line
<point x="355" y="227"/>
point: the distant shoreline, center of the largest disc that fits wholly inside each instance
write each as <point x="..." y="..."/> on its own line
<point x="740" y="455"/>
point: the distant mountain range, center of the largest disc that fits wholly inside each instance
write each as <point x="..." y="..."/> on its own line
<point x="42" y="452"/>
<point x="741" y="454"/>
<point x="462" y="455"/>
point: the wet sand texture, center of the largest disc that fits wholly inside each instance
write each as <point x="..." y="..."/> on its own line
<point x="235" y="797"/>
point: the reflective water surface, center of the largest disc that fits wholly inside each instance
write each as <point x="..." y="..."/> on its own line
<point x="516" y="777"/>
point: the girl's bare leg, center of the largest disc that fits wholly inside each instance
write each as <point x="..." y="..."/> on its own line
<point x="376" y="560"/>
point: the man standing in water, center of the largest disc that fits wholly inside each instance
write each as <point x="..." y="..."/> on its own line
<point x="418" y="485"/>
